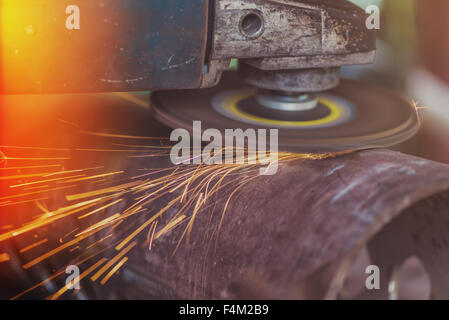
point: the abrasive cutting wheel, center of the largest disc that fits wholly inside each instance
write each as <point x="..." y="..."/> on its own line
<point x="352" y="116"/>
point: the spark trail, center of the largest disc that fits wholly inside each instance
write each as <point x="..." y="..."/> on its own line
<point x="84" y="215"/>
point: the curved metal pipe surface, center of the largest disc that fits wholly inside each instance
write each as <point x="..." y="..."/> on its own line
<point x="294" y="235"/>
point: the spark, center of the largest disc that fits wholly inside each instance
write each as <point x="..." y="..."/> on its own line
<point x="54" y="251"/>
<point x="57" y="274"/>
<point x="70" y="233"/>
<point x="22" y="176"/>
<point x="172" y="224"/>
<point x="33" y="245"/>
<point x="150" y="236"/>
<point x="35" y="192"/>
<point x="187" y="191"/>
<point x="101" y="224"/>
<point x="45" y="181"/>
<point x="74" y="248"/>
<point x="114" y="270"/>
<point x="12" y="203"/>
<point x="418" y="108"/>
<point x="102" y="239"/>
<point x="4" y="257"/>
<point x="3" y="159"/>
<point x="68" y="122"/>
<point x="34" y="159"/>
<point x="64" y="289"/>
<point x="30" y="167"/>
<point x="111" y="135"/>
<point x="35" y="148"/>
<point x="119" y="188"/>
<point x="49" y="218"/>
<point x="142" y="146"/>
<point x="96" y="176"/>
<point x="416" y="105"/>
<point x="111" y="150"/>
<point x="72" y="171"/>
<point x="112" y="261"/>
<point x="37" y="187"/>
<point x="100" y="209"/>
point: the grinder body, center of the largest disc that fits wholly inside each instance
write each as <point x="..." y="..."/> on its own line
<point x="133" y="45"/>
<point x="121" y="45"/>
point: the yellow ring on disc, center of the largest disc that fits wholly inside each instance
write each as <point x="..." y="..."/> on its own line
<point x="336" y="113"/>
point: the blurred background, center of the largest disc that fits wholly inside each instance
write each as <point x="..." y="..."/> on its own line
<point x="413" y="59"/>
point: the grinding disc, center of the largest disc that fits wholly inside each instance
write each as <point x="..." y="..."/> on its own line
<point x="350" y="117"/>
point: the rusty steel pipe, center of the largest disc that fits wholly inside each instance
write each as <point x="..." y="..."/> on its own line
<point x="295" y="234"/>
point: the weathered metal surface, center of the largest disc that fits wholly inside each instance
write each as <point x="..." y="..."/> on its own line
<point x="292" y="35"/>
<point x="294" y="235"/>
<point x="291" y="28"/>
<point x="215" y="70"/>
<point x="122" y="45"/>
<point x="301" y="80"/>
<point x="132" y="45"/>
<point x="306" y="62"/>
